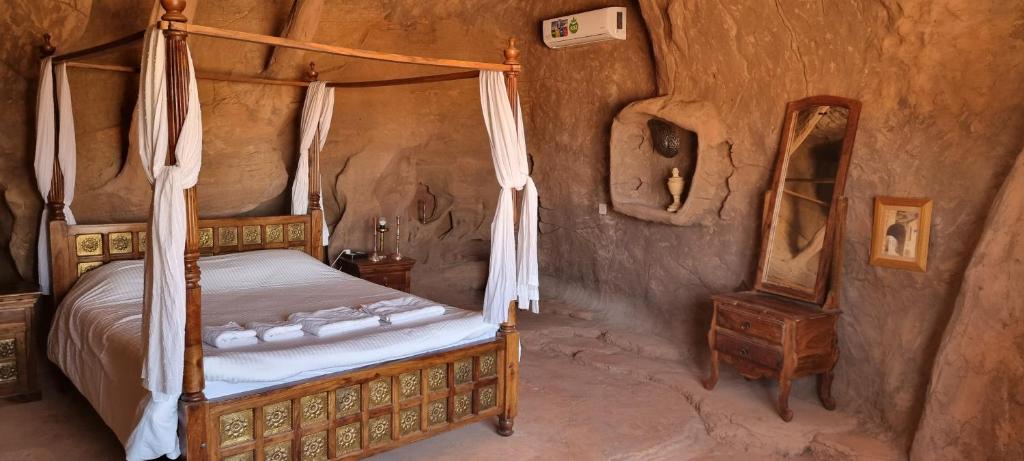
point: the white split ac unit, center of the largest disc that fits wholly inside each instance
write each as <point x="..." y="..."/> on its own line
<point x="583" y="28"/>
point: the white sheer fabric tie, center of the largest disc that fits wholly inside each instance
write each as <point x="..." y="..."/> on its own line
<point x="316" y="113"/>
<point x="513" y="274"/>
<point x="163" y="317"/>
<point x="66" y="152"/>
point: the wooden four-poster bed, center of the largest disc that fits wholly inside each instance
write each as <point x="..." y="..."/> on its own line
<point x="345" y="415"/>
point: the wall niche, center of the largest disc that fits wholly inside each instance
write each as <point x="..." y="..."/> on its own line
<point x="652" y="136"/>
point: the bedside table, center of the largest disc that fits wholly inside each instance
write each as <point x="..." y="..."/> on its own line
<point x="388" y="272"/>
<point x="17" y="335"/>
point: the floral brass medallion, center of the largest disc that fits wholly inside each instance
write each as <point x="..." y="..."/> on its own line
<point x="228" y="236"/>
<point x="462" y="406"/>
<point x="142" y="242"/>
<point x="314" y="447"/>
<point x="235" y="428"/>
<point x="89" y="245"/>
<point x="488" y="365"/>
<point x="409" y="384"/>
<point x="279" y="452"/>
<point x="8" y="372"/>
<point x="463" y="371"/>
<point x="251" y="235"/>
<point x="246" y="456"/>
<point x="380" y="392"/>
<point x="86" y="267"/>
<point x="296" y="232"/>
<point x="7" y="348"/>
<point x="380" y="429"/>
<point x="277" y="418"/>
<point x="409" y="420"/>
<point x="347" y="400"/>
<point x="437" y="412"/>
<point x="206" y="237"/>
<point x="348" y="438"/>
<point x="275" y="233"/>
<point x="120" y="242"/>
<point x="487" y="397"/>
<point x="314" y="408"/>
<point x="438" y="378"/>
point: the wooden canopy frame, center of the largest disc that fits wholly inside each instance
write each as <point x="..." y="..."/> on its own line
<point x="346" y="415"/>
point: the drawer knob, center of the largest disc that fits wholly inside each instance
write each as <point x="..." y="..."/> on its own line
<point x="745" y="325"/>
<point x="744" y="352"/>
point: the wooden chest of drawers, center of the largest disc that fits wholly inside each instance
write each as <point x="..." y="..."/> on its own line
<point x="17" y="336"/>
<point x="763" y="335"/>
<point x="390" y="273"/>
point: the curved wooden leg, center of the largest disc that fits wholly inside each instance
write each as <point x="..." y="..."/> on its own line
<point x="825" y="390"/>
<point x="784" y="386"/>
<point x="712" y="380"/>
<point x="505" y="426"/>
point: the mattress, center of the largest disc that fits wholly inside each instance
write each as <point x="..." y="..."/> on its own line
<point x="96" y="335"/>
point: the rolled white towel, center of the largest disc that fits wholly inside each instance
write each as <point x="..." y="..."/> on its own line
<point x="327" y="322"/>
<point x="276" y="331"/>
<point x="229" y="335"/>
<point x="404" y="309"/>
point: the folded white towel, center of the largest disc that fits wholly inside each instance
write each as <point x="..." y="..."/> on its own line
<point x="405" y="309"/>
<point x="229" y="335"/>
<point x="327" y="322"/>
<point x="276" y="331"/>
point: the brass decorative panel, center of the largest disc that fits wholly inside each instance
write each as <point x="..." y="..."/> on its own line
<point x="206" y="237"/>
<point x="409" y="420"/>
<point x="462" y="406"/>
<point x="228" y="236"/>
<point x="314" y="408"/>
<point x="349" y="438"/>
<point x="86" y="267"/>
<point x="278" y="452"/>
<point x="314" y="447"/>
<point x="380" y="392"/>
<point x="380" y="429"/>
<point x="277" y="418"/>
<point x="463" y="371"/>
<point x="347" y="400"/>
<point x="487" y="397"/>
<point x="275" y="233"/>
<point x="437" y="412"/>
<point x="247" y="456"/>
<point x="120" y="242"/>
<point x="89" y="245"/>
<point x="438" y="378"/>
<point x="489" y="365"/>
<point x="142" y="242"/>
<point x="296" y="232"/>
<point x="235" y="428"/>
<point x="409" y="385"/>
<point x="7" y="348"/>
<point x="8" y="372"/>
<point x="251" y="235"/>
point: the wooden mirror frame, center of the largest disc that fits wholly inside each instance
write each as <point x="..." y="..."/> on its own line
<point x="768" y="225"/>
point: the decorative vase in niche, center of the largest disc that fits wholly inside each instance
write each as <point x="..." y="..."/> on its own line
<point x="664" y="137"/>
<point x="675" y="187"/>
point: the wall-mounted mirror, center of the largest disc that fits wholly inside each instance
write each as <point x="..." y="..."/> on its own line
<point x="810" y="174"/>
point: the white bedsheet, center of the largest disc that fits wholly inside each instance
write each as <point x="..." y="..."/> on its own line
<point x="96" y="339"/>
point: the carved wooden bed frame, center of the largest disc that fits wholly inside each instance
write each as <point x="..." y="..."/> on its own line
<point x="346" y="415"/>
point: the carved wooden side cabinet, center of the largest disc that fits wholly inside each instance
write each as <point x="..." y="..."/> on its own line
<point x="390" y="273"/>
<point x="17" y="328"/>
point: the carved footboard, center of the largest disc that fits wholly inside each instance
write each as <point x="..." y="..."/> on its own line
<point x="354" y="414"/>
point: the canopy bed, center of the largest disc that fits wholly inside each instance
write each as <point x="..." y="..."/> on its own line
<point x="316" y="399"/>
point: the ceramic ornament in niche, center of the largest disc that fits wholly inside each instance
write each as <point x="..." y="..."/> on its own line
<point x="675" y="187"/>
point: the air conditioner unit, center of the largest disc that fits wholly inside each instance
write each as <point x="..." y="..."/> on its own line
<point x="583" y="28"/>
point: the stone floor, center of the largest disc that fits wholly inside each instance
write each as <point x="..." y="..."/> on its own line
<point x="587" y="393"/>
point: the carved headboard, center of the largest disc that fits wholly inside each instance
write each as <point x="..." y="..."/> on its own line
<point x="77" y="249"/>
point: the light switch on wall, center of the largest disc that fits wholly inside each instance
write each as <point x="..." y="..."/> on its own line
<point x="602" y="208"/>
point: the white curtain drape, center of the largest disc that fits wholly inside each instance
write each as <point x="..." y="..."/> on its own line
<point x="316" y="113"/>
<point x="163" y="317"/>
<point x="66" y="152"/>
<point x="513" y="274"/>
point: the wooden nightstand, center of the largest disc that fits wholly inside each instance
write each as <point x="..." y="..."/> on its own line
<point x="17" y="335"/>
<point x="390" y="273"/>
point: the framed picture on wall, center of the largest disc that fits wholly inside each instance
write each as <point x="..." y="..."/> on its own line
<point x="899" y="237"/>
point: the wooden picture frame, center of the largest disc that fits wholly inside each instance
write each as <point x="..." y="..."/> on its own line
<point x="899" y="235"/>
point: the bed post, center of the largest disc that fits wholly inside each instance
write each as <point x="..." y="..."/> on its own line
<point x="193" y="417"/>
<point x="316" y="246"/>
<point x="508" y="328"/>
<point x="58" y="225"/>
